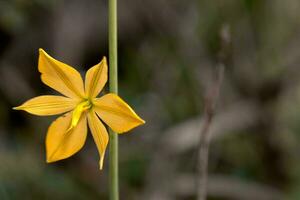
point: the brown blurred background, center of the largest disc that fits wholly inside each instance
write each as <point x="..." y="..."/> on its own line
<point x="169" y="51"/>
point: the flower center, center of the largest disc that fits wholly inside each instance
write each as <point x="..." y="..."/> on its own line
<point x="77" y="112"/>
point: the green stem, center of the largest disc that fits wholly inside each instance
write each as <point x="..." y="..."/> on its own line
<point x="113" y="88"/>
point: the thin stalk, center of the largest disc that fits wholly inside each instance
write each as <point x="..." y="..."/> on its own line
<point x="113" y="88"/>
<point x="210" y="104"/>
<point x="203" y="145"/>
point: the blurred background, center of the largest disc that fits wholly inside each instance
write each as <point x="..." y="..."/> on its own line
<point x="169" y="52"/>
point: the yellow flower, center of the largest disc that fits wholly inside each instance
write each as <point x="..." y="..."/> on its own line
<point x="67" y="134"/>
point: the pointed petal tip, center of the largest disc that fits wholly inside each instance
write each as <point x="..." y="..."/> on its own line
<point x="48" y="160"/>
<point x="52" y="158"/>
<point x="17" y="108"/>
<point x="41" y="50"/>
<point x="142" y="121"/>
<point x="42" y="54"/>
<point x="126" y="130"/>
<point x="101" y="162"/>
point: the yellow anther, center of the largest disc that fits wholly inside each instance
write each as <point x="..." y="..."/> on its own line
<point x="80" y="108"/>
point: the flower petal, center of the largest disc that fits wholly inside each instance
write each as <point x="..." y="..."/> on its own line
<point x="48" y="105"/>
<point x="95" y="78"/>
<point x="62" y="143"/>
<point x="99" y="133"/>
<point x="60" y="76"/>
<point x="116" y="113"/>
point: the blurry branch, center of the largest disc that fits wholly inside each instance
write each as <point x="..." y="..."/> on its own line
<point x="227" y="187"/>
<point x="203" y="146"/>
<point x="182" y="137"/>
<point x="209" y="109"/>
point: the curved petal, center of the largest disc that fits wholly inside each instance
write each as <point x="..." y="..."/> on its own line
<point x="48" y="105"/>
<point x="99" y="133"/>
<point x="116" y="113"/>
<point x="60" y="76"/>
<point x="62" y="143"/>
<point x="95" y="78"/>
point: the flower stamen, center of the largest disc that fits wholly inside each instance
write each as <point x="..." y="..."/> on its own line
<point x="77" y="113"/>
